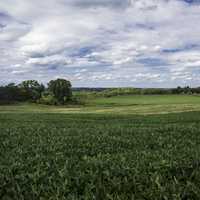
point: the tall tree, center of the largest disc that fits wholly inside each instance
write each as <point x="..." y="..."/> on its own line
<point x="61" y="90"/>
<point x="31" y="89"/>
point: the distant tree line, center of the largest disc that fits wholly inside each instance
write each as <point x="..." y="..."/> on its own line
<point x="57" y="92"/>
<point x="140" y="91"/>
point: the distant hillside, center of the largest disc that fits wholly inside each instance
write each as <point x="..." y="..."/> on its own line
<point x="109" y="92"/>
<point x="80" y="89"/>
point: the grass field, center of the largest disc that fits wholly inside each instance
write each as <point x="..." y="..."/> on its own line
<point x="78" y="153"/>
<point x="148" y="100"/>
<point x="136" y="104"/>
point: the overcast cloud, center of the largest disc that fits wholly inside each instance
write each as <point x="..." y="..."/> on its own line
<point x="101" y="43"/>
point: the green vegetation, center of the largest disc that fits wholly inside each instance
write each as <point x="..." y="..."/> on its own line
<point x="30" y="90"/>
<point x="99" y="149"/>
<point x="147" y="100"/>
<point x="132" y="104"/>
<point x="58" y="92"/>
<point x="112" y="92"/>
<point x="61" y="90"/>
<point x="88" y="156"/>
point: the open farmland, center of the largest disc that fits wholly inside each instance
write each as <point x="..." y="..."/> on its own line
<point x="46" y="155"/>
<point x="132" y="104"/>
<point x="99" y="99"/>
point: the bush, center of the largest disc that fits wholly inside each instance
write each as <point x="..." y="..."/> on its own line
<point x="47" y="100"/>
<point x="77" y="101"/>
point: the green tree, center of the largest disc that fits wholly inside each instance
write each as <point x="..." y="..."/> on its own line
<point x="31" y="89"/>
<point x="61" y="90"/>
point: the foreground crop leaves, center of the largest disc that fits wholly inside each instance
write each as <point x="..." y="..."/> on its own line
<point x="98" y="157"/>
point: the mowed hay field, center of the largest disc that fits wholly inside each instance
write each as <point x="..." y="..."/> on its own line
<point x="103" y="156"/>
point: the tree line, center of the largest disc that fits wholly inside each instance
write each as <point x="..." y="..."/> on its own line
<point x="137" y="91"/>
<point x="59" y="92"/>
<point x="56" y="92"/>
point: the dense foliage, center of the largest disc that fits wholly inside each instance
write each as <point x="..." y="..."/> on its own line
<point x="61" y="90"/>
<point x="57" y="92"/>
<point x="31" y="89"/>
<point x="11" y="93"/>
<point x="103" y="157"/>
<point x="138" y="91"/>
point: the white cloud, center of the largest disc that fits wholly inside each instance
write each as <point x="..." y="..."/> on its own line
<point x="106" y="38"/>
<point x="49" y="60"/>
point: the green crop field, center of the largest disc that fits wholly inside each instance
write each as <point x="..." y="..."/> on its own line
<point x="102" y="150"/>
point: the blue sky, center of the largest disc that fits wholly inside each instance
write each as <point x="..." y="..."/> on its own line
<point x="101" y="43"/>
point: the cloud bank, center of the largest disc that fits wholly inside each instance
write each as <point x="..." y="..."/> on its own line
<point x="101" y="43"/>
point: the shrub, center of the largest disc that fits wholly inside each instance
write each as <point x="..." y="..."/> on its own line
<point x="47" y="100"/>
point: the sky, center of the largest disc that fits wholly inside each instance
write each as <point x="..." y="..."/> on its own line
<point x="101" y="43"/>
